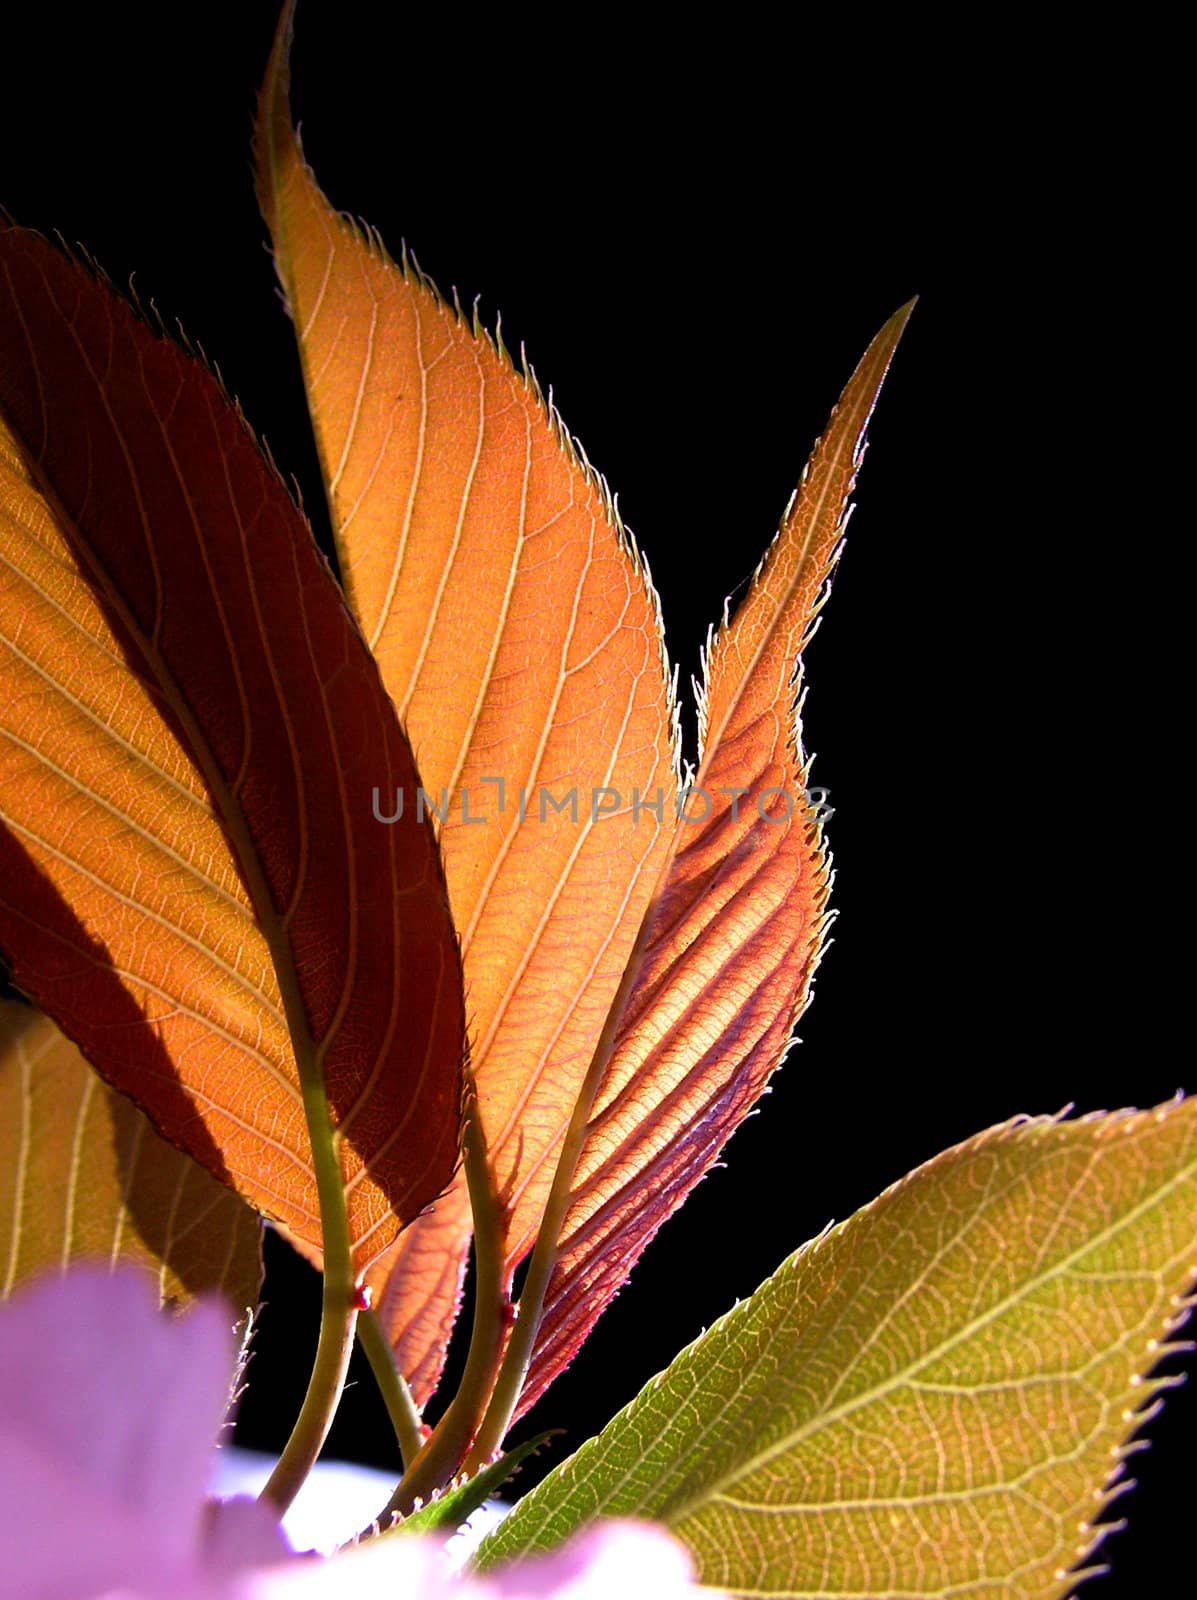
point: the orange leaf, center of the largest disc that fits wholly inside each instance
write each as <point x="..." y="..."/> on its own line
<point x="519" y="636"/>
<point x="84" y="1176"/>
<point x="190" y="727"/>
<point x="731" y="943"/>
<point x="417" y="1288"/>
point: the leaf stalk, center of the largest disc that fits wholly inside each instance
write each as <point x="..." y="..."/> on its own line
<point x="441" y="1457"/>
<point x="516" y="1359"/>
<point x="340" y="1302"/>
<point x="401" y="1407"/>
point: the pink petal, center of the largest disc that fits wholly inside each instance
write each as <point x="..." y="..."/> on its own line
<point x="93" y="1375"/>
<point x="607" y="1561"/>
<point x="240" y="1533"/>
<point x="108" y="1417"/>
<point x="58" y="1541"/>
<point x="394" y="1568"/>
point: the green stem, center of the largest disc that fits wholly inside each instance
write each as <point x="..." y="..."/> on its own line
<point x="516" y="1359"/>
<point x="341" y="1299"/>
<point x="339" y="1306"/>
<point x="514" y="1368"/>
<point x="441" y="1458"/>
<point x="401" y="1407"/>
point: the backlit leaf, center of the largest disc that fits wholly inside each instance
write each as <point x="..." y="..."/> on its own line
<point x="454" y="1506"/>
<point x="417" y="1288"/>
<point x="933" y="1398"/>
<point x="519" y="637"/>
<point x="83" y="1176"/>
<point x="734" y="937"/>
<point x="190" y="728"/>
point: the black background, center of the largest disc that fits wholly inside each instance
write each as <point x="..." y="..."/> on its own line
<point x="696" y="240"/>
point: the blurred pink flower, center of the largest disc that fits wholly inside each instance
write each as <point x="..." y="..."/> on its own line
<point x="108" y="1412"/>
<point x="607" y="1561"/>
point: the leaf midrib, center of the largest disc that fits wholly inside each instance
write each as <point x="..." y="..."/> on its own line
<point x="225" y="801"/>
<point x="823" y="1419"/>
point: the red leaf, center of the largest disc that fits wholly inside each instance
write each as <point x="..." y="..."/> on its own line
<point x="154" y="559"/>
<point x="734" y="936"/>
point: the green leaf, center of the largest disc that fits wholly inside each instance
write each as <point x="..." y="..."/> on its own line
<point x="447" y="1511"/>
<point x="933" y="1398"/>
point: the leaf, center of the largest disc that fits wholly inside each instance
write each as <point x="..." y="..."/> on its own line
<point x="454" y="1506"/>
<point x="933" y="1398"/>
<point x="191" y="727"/>
<point x="84" y="1176"/>
<point x="417" y="1286"/>
<point x="734" y="938"/>
<point x="518" y="634"/>
<point x="413" y="409"/>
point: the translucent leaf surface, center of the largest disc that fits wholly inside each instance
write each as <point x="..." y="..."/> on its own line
<point x="83" y="1176"/>
<point x="190" y="726"/>
<point x="521" y="644"/>
<point x="931" y="1399"/>
<point x="519" y="637"/>
<point x="732" y="940"/>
